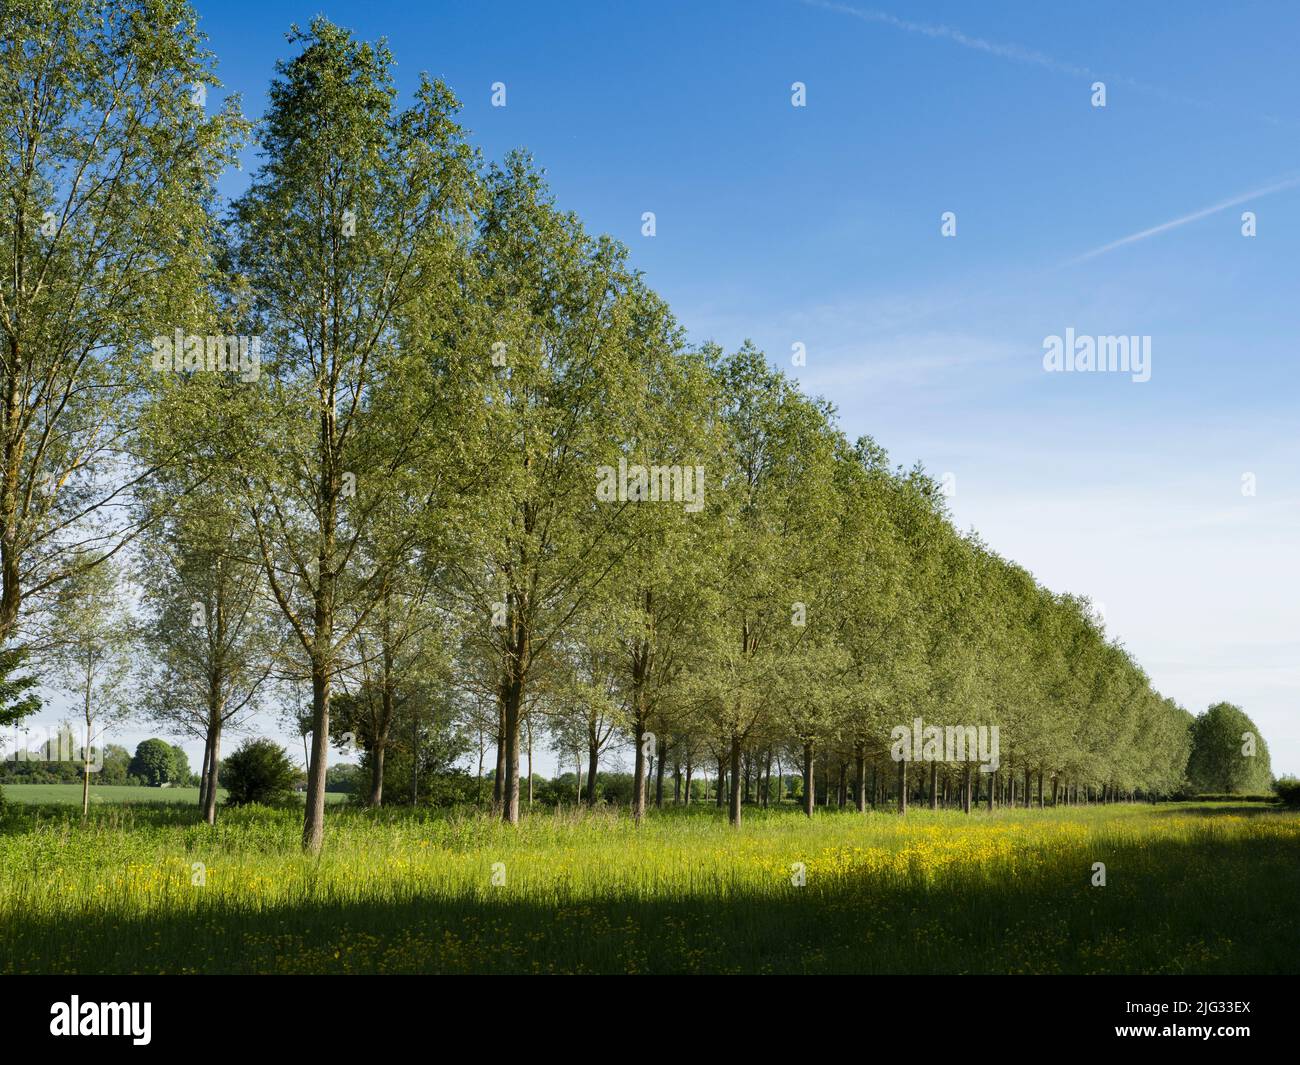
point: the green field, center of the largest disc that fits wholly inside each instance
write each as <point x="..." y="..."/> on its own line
<point x="108" y="795"/>
<point x="1190" y="889"/>
<point x="70" y="794"/>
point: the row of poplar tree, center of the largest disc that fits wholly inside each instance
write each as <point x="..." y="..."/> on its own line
<point x="401" y="496"/>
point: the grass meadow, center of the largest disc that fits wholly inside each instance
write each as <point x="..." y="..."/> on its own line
<point x="70" y="794"/>
<point x="145" y="888"/>
<point x="111" y="795"/>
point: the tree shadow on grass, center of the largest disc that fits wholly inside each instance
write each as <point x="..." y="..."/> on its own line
<point x="1244" y="809"/>
<point x="1168" y="907"/>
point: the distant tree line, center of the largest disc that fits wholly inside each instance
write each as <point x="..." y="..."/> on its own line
<point x="155" y="762"/>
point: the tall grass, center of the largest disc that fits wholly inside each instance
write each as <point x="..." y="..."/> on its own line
<point x="146" y="889"/>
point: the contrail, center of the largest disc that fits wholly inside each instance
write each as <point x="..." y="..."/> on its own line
<point x="948" y="33"/>
<point x="1204" y="212"/>
<point x="1019" y="54"/>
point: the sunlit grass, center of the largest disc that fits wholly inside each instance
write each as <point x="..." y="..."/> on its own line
<point x="145" y="888"/>
<point x="111" y="795"/>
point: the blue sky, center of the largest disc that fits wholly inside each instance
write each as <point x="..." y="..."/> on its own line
<point x="821" y="225"/>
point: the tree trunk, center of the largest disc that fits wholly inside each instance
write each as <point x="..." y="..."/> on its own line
<point x="85" y="774"/>
<point x="88" y="714"/>
<point x="965" y="794"/>
<point x="734" y="816"/>
<point x="203" y="773"/>
<point x="499" y="779"/>
<point x="313" y="829"/>
<point x="212" y="782"/>
<point x="15" y="445"/>
<point x="809" y="787"/>
<point x="721" y="798"/>
<point x="860" y="778"/>
<point x="514" y="707"/>
<point x="415" y="763"/>
<point x="642" y="657"/>
<point x="482" y="753"/>
<point x="902" y="785"/>
<point x="593" y="757"/>
<point x="659" y="781"/>
<point x="387" y="707"/>
<point x="639" y="771"/>
<point x="377" y="773"/>
<point x="528" y="723"/>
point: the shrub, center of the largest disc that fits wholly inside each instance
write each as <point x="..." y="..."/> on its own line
<point x="1288" y="790"/>
<point x="452" y="788"/>
<point x="258" y="772"/>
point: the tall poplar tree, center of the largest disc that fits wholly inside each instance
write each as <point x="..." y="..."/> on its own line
<point x="354" y="215"/>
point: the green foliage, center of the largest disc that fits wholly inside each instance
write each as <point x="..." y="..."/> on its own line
<point x="430" y="749"/>
<point x="154" y="763"/>
<point x="104" y="238"/>
<point x="451" y="787"/>
<point x="17" y="696"/>
<point x="180" y="768"/>
<point x="117" y="765"/>
<point x="258" y="772"/>
<point x="40" y="770"/>
<point x="1228" y="753"/>
<point x="1288" y="790"/>
<point x="345" y="778"/>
